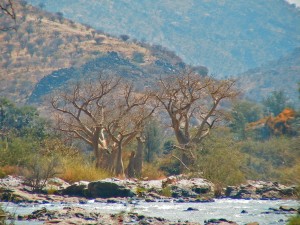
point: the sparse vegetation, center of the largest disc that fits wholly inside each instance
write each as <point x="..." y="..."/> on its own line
<point x="208" y="135"/>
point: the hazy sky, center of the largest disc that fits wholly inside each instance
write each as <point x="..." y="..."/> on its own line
<point x="297" y="2"/>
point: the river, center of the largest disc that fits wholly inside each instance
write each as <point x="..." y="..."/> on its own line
<point x="230" y="209"/>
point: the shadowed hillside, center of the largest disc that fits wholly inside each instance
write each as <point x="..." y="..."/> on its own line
<point x="229" y="37"/>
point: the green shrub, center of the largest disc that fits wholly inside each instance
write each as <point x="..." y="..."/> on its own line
<point x="295" y="220"/>
<point x="220" y="161"/>
<point x="2" y="173"/>
<point x="166" y="191"/>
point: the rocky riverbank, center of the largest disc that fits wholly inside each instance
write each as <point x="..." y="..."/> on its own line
<point x="173" y="189"/>
<point x="261" y="190"/>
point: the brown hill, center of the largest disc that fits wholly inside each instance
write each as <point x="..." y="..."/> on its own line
<point x="45" y="42"/>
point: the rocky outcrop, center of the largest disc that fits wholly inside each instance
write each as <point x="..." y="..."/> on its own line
<point x="260" y="190"/>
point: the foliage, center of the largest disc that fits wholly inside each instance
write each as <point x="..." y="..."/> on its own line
<point x="243" y="112"/>
<point x="220" y="160"/>
<point x="166" y="191"/>
<point x="17" y="151"/>
<point x="169" y="165"/>
<point x="273" y="159"/>
<point x="21" y="121"/>
<point x="276" y="102"/>
<point x="295" y="220"/>
<point x="153" y="139"/>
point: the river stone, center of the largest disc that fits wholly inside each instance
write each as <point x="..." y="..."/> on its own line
<point x="103" y="189"/>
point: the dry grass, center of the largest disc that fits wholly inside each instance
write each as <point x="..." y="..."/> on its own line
<point x="76" y="170"/>
<point x="9" y="170"/>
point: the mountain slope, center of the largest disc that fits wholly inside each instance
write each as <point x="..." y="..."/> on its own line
<point x="282" y="74"/>
<point x="228" y="36"/>
<point x="46" y="42"/>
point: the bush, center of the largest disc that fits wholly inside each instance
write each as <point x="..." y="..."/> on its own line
<point x="275" y="159"/>
<point x="18" y="152"/>
<point x="39" y="170"/>
<point x="295" y="220"/>
<point x="166" y="191"/>
<point x="220" y="161"/>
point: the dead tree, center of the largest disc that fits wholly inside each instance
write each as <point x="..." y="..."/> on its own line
<point x="190" y="97"/>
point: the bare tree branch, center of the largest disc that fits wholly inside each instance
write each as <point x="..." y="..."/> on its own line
<point x="7" y="7"/>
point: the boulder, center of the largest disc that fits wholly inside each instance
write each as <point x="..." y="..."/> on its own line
<point x="78" y="189"/>
<point x="219" y="222"/>
<point x="104" y="189"/>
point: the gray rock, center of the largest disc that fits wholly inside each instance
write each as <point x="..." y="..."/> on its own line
<point x="78" y="190"/>
<point x="103" y="189"/>
<point x="260" y="190"/>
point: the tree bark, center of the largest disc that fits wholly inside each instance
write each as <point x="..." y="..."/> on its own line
<point x="130" y="171"/>
<point x="138" y="160"/>
<point x="119" y="163"/>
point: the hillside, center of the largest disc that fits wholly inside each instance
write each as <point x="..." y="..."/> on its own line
<point x="46" y="42"/>
<point x="229" y="37"/>
<point x="282" y="74"/>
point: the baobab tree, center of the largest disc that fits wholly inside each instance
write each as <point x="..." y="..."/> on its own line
<point x="188" y="98"/>
<point x="106" y="113"/>
<point x="79" y="112"/>
<point x="125" y="119"/>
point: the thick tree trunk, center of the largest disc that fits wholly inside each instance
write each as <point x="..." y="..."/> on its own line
<point x="119" y="163"/>
<point x="185" y="156"/>
<point x="97" y="154"/>
<point x="138" y="160"/>
<point x="130" y="171"/>
<point x="108" y="160"/>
